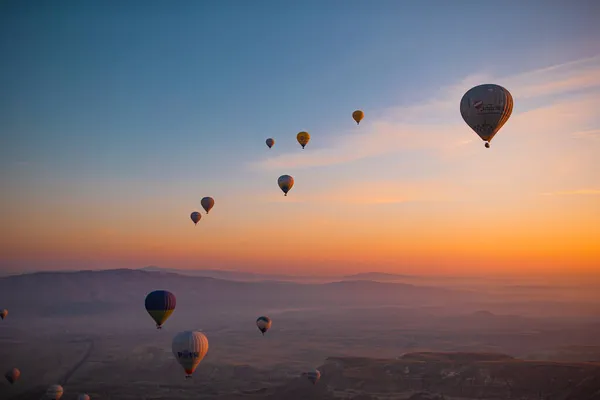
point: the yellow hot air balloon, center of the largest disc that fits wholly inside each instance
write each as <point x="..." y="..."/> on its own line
<point x="303" y="138"/>
<point x="358" y="115"/>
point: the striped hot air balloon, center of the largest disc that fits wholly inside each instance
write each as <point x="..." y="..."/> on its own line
<point x="160" y="304"/>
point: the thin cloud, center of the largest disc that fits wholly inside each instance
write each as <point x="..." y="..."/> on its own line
<point x="376" y="193"/>
<point x="574" y="192"/>
<point x="444" y="132"/>
<point x="589" y="134"/>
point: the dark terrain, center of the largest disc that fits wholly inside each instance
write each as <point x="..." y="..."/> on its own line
<point x="371" y="340"/>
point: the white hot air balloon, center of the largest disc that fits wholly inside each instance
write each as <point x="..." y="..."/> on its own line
<point x="189" y="348"/>
<point x="54" y="392"/>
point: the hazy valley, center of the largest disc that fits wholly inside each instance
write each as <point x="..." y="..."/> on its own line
<point x="90" y="332"/>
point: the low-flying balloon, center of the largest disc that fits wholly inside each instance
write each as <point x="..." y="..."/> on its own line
<point x="83" y="396"/>
<point x="13" y="375"/>
<point x="54" y="392"/>
<point x="263" y="323"/>
<point x="189" y="348"/>
<point x="285" y="183"/>
<point x="270" y="142"/>
<point x="486" y="108"/>
<point x="303" y="138"/>
<point x="358" y="115"/>
<point x="160" y="304"/>
<point x="314" y="376"/>
<point x="3" y="313"/>
<point x="195" y="216"/>
<point x="207" y="203"/>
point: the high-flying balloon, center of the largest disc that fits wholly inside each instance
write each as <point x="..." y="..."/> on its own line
<point x="358" y="115"/>
<point x="303" y="138"/>
<point x="486" y="108"/>
<point x="189" y="348"/>
<point x="195" y="216"/>
<point x="263" y="323"/>
<point x="270" y="142"/>
<point x="54" y="392"/>
<point x="285" y="183"/>
<point x="314" y="376"/>
<point x="13" y="375"/>
<point x="160" y="304"/>
<point x="3" y="313"/>
<point x="207" y="203"/>
<point x="83" y="396"/>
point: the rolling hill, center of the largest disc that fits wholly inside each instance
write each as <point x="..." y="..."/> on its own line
<point x="94" y="292"/>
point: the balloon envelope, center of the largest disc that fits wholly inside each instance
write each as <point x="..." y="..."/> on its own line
<point x="263" y="323"/>
<point x="189" y="348"/>
<point x="358" y="115"/>
<point x="303" y="138"/>
<point x="314" y="376"/>
<point x="285" y="183"/>
<point x="83" y="397"/>
<point x="270" y="142"/>
<point x="160" y="304"/>
<point x="195" y="216"/>
<point x="486" y="108"/>
<point x="54" y="392"/>
<point x="207" y="203"/>
<point x="13" y="375"/>
<point x="3" y="313"/>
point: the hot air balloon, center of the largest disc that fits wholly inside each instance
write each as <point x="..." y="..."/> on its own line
<point x="358" y="115"/>
<point x="3" y="313"/>
<point x="189" y="348"/>
<point x="54" y="392"/>
<point x="207" y="203"/>
<point x="270" y="142"/>
<point x="486" y="108"/>
<point x="160" y="304"/>
<point x="83" y="396"/>
<point x="314" y="376"/>
<point x="285" y="182"/>
<point x="13" y="375"/>
<point x="195" y="216"/>
<point x="303" y="138"/>
<point x="263" y="323"/>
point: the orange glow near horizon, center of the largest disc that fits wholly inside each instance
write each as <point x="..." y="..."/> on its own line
<point x="415" y="198"/>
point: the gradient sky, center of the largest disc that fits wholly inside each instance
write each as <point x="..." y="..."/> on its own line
<point x="117" y="117"/>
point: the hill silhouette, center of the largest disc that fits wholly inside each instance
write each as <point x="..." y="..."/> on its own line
<point x="97" y="292"/>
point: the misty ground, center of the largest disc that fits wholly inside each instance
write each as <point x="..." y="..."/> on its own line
<point x="105" y="344"/>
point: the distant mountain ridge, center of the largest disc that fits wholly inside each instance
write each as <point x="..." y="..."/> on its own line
<point x="235" y="275"/>
<point x="49" y="293"/>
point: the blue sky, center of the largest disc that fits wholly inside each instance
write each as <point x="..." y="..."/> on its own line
<point x="119" y="102"/>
